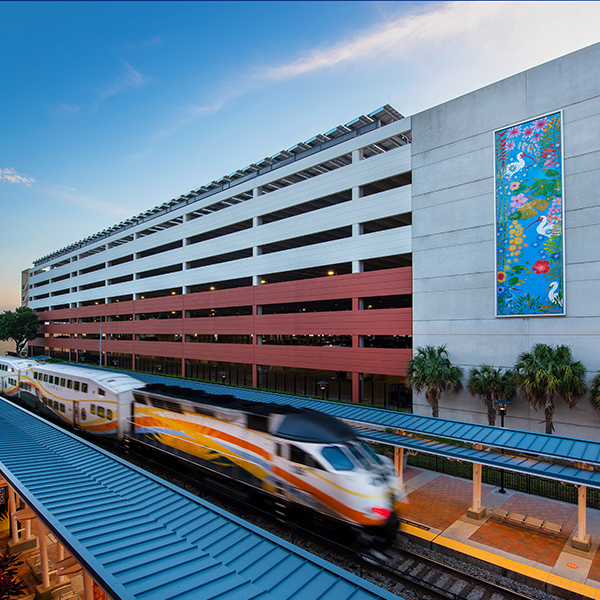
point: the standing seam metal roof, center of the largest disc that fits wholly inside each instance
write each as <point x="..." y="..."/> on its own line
<point x="141" y="538"/>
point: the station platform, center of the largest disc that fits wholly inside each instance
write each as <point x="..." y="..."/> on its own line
<point x="433" y="510"/>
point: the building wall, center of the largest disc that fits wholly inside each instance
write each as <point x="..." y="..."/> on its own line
<point x="453" y="232"/>
<point x="156" y="264"/>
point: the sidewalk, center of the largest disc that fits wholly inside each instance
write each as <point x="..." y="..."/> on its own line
<point x="439" y="502"/>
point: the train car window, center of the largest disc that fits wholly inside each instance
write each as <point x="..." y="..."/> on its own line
<point x="83" y="415"/>
<point x="62" y="408"/>
<point x="56" y="405"/>
<point x="100" y="392"/>
<point x="337" y="459"/>
<point x="45" y="377"/>
<point x="258" y="423"/>
<point x="84" y="388"/>
<point x="76" y="386"/>
<point x="70" y="383"/>
<point x="100" y="411"/>
<point x="109" y="414"/>
<point x="62" y="381"/>
<point x="50" y="379"/>
<point x="34" y="375"/>
<point x="93" y="409"/>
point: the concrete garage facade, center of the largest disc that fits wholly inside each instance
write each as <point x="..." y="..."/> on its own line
<point x="453" y="233"/>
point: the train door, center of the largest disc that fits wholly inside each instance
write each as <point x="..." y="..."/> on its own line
<point x="281" y="466"/>
<point x="76" y="414"/>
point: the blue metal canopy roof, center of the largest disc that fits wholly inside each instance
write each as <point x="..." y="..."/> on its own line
<point x="141" y="538"/>
<point x="502" y="461"/>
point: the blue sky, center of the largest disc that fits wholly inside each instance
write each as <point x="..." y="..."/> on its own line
<point x="110" y="108"/>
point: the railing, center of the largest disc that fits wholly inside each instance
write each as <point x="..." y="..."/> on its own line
<point x="520" y="482"/>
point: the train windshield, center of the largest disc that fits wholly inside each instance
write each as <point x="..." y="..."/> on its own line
<point x="363" y="452"/>
<point x="337" y="458"/>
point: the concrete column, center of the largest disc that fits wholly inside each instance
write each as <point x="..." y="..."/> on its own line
<point x="44" y="555"/>
<point x="476" y="511"/>
<point x="356" y="387"/>
<point x="12" y="508"/>
<point x="60" y="554"/>
<point x="88" y="586"/>
<point x="582" y="541"/>
<point x="399" y="463"/>
<point x="357" y="155"/>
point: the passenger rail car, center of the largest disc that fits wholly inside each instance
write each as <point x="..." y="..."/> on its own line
<point x="92" y="400"/>
<point x="295" y="456"/>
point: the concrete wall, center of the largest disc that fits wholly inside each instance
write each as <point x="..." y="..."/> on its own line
<point x="453" y="232"/>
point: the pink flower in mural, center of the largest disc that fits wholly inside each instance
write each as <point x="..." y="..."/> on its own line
<point x="510" y="145"/>
<point x="540" y="124"/>
<point x="541" y="266"/>
<point x="514" y="185"/>
<point x="518" y="201"/>
<point x="514" y="131"/>
<point x="527" y="131"/>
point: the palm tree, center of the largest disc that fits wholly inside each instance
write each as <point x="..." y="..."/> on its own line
<point x="595" y="392"/>
<point x="545" y="372"/>
<point x="491" y="384"/>
<point x="430" y="369"/>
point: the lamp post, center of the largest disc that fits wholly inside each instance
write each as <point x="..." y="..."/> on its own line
<point x="502" y="406"/>
<point x="223" y="374"/>
<point x="322" y="386"/>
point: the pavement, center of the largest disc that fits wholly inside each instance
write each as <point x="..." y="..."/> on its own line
<point x="434" y="507"/>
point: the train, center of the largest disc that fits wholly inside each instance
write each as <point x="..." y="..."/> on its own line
<point x="298" y="458"/>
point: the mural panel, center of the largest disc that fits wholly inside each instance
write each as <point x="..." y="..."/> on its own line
<point x="529" y="218"/>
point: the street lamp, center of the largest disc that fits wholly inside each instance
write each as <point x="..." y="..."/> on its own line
<point x="159" y="368"/>
<point x="502" y="406"/>
<point x="322" y="386"/>
<point x="223" y="374"/>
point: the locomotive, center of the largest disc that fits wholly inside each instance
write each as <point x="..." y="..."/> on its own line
<point x="296" y="457"/>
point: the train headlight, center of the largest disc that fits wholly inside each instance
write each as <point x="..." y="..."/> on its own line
<point x="381" y="511"/>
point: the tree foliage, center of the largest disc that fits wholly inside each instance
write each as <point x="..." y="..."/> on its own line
<point x="491" y="384"/>
<point x="430" y="370"/>
<point x="11" y="586"/>
<point x="595" y="392"/>
<point x="546" y="372"/>
<point x="20" y="325"/>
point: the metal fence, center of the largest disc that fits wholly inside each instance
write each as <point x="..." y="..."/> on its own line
<point x="520" y="482"/>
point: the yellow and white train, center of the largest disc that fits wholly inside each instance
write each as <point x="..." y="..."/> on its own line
<point x="298" y="457"/>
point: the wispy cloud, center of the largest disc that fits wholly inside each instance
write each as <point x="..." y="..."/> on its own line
<point x="10" y="175"/>
<point x="472" y="42"/>
<point x="71" y="196"/>
<point x="129" y="78"/>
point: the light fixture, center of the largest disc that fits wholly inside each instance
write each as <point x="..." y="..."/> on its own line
<point x="212" y="287"/>
<point x="263" y="281"/>
<point x="330" y="272"/>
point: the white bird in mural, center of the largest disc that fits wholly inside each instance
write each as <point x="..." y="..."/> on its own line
<point x="513" y="168"/>
<point x="544" y="228"/>
<point x="552" y="294"/>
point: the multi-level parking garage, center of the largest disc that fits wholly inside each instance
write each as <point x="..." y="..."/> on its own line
<point x="292" y="273"/>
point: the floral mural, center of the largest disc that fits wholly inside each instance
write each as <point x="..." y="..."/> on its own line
<point x="529" y="218"/>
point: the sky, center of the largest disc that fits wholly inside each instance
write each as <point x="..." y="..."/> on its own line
<point x="110" y="108"/>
